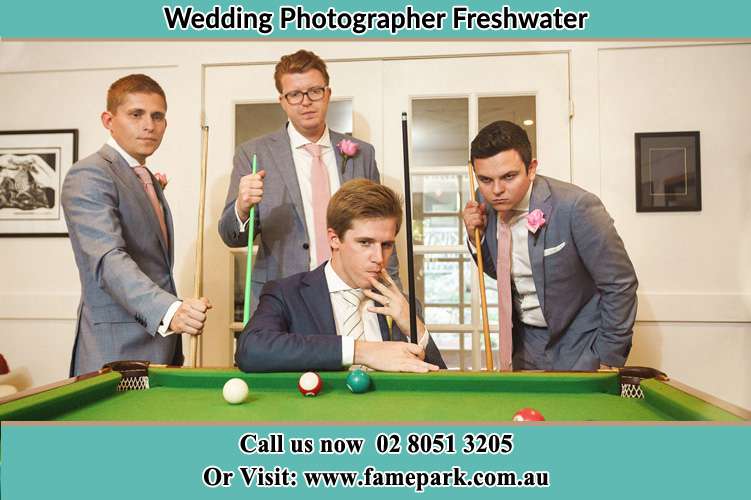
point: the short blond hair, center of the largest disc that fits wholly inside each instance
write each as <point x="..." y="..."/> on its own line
<point x="362" y="199"/>
<point x="299" y="62"/>
<point x="132" y="84"/>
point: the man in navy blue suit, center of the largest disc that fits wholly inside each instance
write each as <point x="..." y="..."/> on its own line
<point x="335" y="316"/>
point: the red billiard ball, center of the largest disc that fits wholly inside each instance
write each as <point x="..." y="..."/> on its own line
<point x="528" y="415"/>
<point x="309" y="384"/>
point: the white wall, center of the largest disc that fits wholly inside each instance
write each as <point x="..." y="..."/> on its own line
<point x="694" y="268"/>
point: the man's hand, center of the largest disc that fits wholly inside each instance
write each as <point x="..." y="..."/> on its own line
<point x="392" y="357"/>
<point x="392" y="303"/>
<point x="190" y="316"/>
<point x="249" y="193"/>
<point x="474" y="217"/>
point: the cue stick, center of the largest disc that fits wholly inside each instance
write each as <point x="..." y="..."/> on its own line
<point x="198" y="278"/>
<point x="249" y="259"/>
<point x="408" y="213"/>
<point x="481" y="278"/>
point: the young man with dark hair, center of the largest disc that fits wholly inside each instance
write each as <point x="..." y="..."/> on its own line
<point x="299" y="167"/>
<point x="567" y="289"/>
<point x="335" y="316"/>
<point x="120" y="227"/>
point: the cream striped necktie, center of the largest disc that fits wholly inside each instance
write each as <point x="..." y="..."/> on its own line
<point x="352" y="300"/>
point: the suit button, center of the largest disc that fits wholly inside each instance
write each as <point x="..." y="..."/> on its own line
<point x="305" y="246"/>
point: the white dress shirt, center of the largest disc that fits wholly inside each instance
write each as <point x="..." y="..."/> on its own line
<point x="370" y="319"/>
<point x="526" y="302"/>
<point x="303" y="164"/>
<point x="163" y="329"/>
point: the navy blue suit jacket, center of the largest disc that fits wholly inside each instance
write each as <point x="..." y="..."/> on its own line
<point x="293" y="329"/>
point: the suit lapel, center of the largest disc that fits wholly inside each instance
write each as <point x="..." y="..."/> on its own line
<point x="284" y="163"/>
<point x="491" y="236"/>
<point x="540" y="199"/>
<point x="344" y="174"/>
<point x="315" y="294"/>
<point x="167" y="220"/>
<point x="491" y="233"/>
<point x="128" y="177"/>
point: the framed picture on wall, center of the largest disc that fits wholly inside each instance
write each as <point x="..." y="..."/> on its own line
<point x="668" y="172"/>
<point x="33" y="164"/>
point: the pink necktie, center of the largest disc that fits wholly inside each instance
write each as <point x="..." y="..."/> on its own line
<point x="319" y="182"/>
<point x="148" y="186"/>
<point x="503" y="275"/>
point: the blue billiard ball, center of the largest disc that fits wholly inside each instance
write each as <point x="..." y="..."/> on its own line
<point x="358" y="381"/>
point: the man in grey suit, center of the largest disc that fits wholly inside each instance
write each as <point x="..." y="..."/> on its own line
<point x="120" y="228"/>
<point x="574" y="287"/>
<point x="286" y="190"/>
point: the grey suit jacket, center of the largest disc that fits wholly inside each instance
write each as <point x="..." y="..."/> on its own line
<point x="586" y="283"/>
<point x="124" y="264"/>
<point x="283" y="248"/>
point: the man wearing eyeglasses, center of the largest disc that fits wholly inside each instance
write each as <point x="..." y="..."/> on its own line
<point x="299" y="167"/>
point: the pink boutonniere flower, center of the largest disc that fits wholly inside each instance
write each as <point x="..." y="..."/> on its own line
<point x="161" y="179"/>
<point x="535" y="220"/>
<point x="348" y="149"/>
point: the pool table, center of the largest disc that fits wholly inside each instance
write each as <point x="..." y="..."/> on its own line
<point x="184" y="394"/>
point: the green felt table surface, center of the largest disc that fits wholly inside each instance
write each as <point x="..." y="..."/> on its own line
<point x="180" y="394"/>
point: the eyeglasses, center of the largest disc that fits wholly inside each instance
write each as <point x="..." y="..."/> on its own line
<point x="297" y="96"/>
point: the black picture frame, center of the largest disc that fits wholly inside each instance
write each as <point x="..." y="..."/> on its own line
<point x="33" y="164"/>
<point x="668" y="171"/>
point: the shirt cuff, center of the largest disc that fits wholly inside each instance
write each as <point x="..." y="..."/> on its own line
<point x="423" y="342"/>
<point x="163" y="329"/>
<point x="243" y="225"/>
<point x="471" y="242"/>
<point x="348" y="351"/>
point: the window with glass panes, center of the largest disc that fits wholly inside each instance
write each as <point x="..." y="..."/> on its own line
<point x="445" y="275"/>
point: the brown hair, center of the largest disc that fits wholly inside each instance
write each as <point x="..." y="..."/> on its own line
<point x="501" y="136"/>
<point x="299" y="62"/>
<point x="132" y="84"/>
<point x="362" y="199"/>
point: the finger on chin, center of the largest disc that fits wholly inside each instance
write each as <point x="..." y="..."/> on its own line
<point x="376" y="284"/>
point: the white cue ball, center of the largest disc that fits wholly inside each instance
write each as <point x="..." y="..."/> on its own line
<point x="235" y="391"/>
